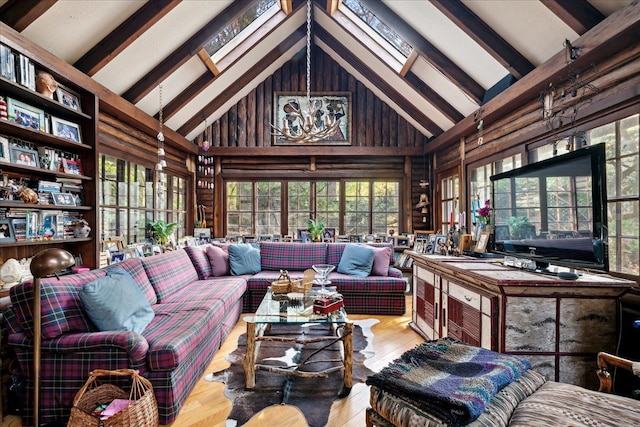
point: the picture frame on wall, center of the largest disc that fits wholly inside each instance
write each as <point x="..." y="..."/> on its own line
<point x="25" y="115"/>
<point x="24" y="156"/>
<point x="68" y="97"/>
<point x="66" y="129"/>
<point x="330" y="105"/>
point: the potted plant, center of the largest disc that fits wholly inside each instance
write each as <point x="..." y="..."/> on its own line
<point x="316" y="228"/>
<point x="162" y="230"/>
<point x="518" y="224"/>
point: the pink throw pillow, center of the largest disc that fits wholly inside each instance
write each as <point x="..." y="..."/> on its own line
<point x="219" y="260"/>
<point x="381" y="261"/>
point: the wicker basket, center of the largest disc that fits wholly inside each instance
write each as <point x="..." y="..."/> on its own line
<point x="283" y="284"/>
<point x="305" y="284"/>
<point x="142" y="413"/>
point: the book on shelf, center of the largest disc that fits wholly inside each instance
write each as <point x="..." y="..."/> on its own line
<point x="7" y="63"/>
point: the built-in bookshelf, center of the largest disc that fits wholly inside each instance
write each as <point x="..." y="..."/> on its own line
<point x="47" y="155"/>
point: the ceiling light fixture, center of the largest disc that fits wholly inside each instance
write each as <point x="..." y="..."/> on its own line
<point x="300" y="125"/>
<point x="161" y="161"/>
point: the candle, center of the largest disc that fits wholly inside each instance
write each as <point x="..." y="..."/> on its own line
<point x="473" y="211"/>
<point x="462" y="219"/>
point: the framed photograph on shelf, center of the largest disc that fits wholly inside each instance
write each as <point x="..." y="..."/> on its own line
<point x="6" y="231"/>
<point x="24" y="156"/>
<point x="66" y="129"/>
<point x="334" y="105"/>
<point x="329" y="235"/>
<point x="63" y="199"/>
<point x="25" y="114"/>
<point x="72" y="167"/>
<point x="502" y="232"/>
<point x="68" y="97"/>
<point x="483" y="239"/>
<point x="4" y="149"/>
<point x="440" y="242"/>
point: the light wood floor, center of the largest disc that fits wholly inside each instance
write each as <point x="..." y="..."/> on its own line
<point x="207" y="406"/>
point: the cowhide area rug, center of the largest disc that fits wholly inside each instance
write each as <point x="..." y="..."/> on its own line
<point x="313" y="396"/>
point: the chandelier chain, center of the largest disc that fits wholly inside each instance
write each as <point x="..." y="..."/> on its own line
<point x="309" y="7"/>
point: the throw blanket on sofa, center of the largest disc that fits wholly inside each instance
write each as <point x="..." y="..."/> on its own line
<point x="452" y="380"/>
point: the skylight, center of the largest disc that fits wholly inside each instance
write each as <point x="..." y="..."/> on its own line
<point x="378" y="30"/>
<point x="234" y="33"/>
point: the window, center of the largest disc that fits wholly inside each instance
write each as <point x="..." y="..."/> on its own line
<point x="623" y="163"/>
<point x="351" y="207"/>
<point x="480" y="188"/>
<point x="450" y="190"/>
<point x="356" y="211"/>
<point x="234" y="33"/>
<point x="381" y="30"/>
<point x="126" y="199"/>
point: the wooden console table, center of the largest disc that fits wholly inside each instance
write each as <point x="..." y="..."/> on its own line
<point x="558" y="325"/>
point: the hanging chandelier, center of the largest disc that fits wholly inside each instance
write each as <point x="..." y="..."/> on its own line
<point x="161" y="161"/>
<point x="306" y="125"/>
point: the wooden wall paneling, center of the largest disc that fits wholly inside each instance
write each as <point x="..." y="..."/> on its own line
<point x="224" y="130"/>
<point x="259" y="120"/>
<point x="285" y="77"/>
<point x="377" y="122"/>
<point x="393" y="128"/>
<point x="369" y="118"/>
<point x="386" y="141"/>
<point x="402" y="132"/>
<point x="233" y="126"/>
<point x="359" y="118"/>
<point x="251" y="119"/>
<point x="215" y="133"/>
<point x="242" y="121"/>
<point x="268" y="112"/>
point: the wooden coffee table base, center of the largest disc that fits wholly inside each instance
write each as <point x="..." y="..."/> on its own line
<point x="256" y="334"/>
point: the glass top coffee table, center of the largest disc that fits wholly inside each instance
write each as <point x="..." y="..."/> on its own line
<point x="297" y="310"/>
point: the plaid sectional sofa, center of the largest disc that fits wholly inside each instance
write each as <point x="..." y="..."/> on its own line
<point x="192" y="318"/>
<point x="194" y="313"/>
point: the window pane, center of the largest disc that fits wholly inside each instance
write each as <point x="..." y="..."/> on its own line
<point x="328" y="203"/>
<point x="385" y="207"/>
<point x="356" y="215"/>
<point x="299" y="201"/>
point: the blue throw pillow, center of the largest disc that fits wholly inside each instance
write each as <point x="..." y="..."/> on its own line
<point x="356" y="260"/>
<point x="244" y="258"/>
<point x="115" y="303"/>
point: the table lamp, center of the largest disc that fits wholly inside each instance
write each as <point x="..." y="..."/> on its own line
<point x="45" y="263"/>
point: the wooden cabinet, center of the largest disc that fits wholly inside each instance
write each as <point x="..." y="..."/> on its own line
<point x="558" y="325"/>
<point x="61" y="139"/>
<point x="446" y="307"/>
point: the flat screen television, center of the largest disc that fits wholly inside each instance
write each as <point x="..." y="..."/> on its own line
<point x="554" y="211"/>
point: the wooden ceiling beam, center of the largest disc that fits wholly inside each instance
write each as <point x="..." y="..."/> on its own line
<point x="125" y="34"/>
<point x="378" y="81"/>
<point x="186" y="51"/>
<point x="243" y="80"/>
<point x="580" y="15"/>
<point x="19" y="14"/>
<point x="432" y="54"/>
<point x="485" y="36"/>
<point x="619" y="31"/>
<point x="312" y="150"/>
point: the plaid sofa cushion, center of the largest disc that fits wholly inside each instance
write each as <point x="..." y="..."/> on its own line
<point x="200" y="260"/>
<point x="291" y="256"/>
<point x="61" y="308"/>
<point x="334" y="251"/>
<point x="134" y="267"/>
<point x="169" y="272"/>
<point x="179" y="329"/>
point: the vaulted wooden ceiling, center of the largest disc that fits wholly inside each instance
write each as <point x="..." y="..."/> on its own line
<point x="463" y="52"/>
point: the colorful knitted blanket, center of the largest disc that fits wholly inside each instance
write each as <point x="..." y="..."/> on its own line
<point x="449" y="379"/>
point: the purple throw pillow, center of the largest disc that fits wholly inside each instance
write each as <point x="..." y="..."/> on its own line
<point x="219" y="260"/>
<point x="381" y="261"/>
